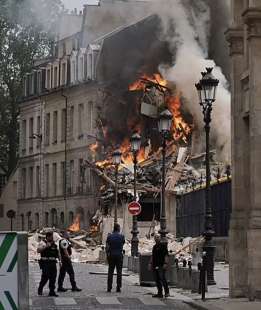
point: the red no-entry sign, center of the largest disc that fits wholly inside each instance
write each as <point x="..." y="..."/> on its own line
<point x="134" y="208"/>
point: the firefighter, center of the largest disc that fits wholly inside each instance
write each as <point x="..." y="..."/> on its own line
<point x="65" y="250"/>
<point x="49" y="255"/>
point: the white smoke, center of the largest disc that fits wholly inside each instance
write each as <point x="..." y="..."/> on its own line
<point x="189" y="42"/>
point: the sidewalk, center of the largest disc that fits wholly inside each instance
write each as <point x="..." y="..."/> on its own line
<point x="217" y="297"/>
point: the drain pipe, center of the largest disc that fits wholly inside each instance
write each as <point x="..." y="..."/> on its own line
<point x="65" y="160"/>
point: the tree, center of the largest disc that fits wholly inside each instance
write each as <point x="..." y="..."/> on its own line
<point x="26" y="33"/>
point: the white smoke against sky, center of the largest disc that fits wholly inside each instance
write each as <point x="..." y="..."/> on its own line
<point x="189" y="44"/>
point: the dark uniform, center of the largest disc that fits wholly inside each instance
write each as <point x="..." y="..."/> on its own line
<point x="115" y="242"/>
<point x="159" y="252"/>
<point x="66" y="266"/>
<point x="47" y="264"/>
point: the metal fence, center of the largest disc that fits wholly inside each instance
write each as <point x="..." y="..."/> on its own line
<point x="191" y="211"/>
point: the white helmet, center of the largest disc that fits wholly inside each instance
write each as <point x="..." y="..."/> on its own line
<point x="64" y="244"/>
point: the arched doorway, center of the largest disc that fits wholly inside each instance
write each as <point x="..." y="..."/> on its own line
<point x="62" y="219"/>
<point x="37" y="220"/>
<point x="22" y="222"/>
<point x="70" y="217"/>
<point x="54" y="219"/>
<point x="46" y="219"/>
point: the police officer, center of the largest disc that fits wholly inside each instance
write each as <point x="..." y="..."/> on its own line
<point x="114" y="249"/>
<point x="159" y="264"/>
<point x="65" y="249"/>
<point x="49" y="255"/>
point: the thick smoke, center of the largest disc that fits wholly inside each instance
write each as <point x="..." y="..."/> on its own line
<point x="190" y="47"/>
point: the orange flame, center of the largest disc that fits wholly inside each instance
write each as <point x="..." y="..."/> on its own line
<point x="180" y="128"/>
<point x="76" y="225"/>
<point x="140" y="85"/>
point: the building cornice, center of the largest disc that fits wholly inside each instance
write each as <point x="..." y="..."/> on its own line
<point x="252" y="18"/>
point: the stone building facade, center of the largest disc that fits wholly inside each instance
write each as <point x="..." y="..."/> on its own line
<point x="244" y="37"/>
<point x="58" y="118"/>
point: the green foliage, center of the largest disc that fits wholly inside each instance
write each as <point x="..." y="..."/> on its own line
<point x="27" y="31"/>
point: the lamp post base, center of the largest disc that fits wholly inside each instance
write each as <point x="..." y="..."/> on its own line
<point x="210" y="249"/>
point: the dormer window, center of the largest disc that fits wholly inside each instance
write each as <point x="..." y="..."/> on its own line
<point x="48" y="78"/>
<point x="63" y="73"/>
<point x="55" y="76"/>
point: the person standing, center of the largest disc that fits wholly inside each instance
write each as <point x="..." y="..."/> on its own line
<point x="114" y="249"/>
<point x="159" y="264"/>
<point x="49" y="255"/>
<point x="65" y="250"/>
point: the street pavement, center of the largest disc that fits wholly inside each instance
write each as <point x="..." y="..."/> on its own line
<point x="94" y="295"/>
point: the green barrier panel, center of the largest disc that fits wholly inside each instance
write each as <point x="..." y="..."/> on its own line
<point x="13" y="271"/>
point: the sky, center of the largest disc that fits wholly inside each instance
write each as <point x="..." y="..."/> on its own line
<point x="71" y="4"/>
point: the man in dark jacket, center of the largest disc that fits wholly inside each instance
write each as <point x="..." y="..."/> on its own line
<point x="49" y="255"/>
<point x="158" y="264"/>
<point x="65" y="250"/>
<point x="114" y="249"/>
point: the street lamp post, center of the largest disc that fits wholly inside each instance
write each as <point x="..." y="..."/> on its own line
<point x="164" y="124"/>
<point x="206" y="88"/>
<point x="135" y="146"/>
<point x="116" y="157"/>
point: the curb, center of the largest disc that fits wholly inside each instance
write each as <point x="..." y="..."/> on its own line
<point x="201" y="305"/>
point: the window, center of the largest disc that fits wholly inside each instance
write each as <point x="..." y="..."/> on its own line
<point x="47" y="129"/>
<point x="55" y="81"/>
<point x="1" y="210"/>
<point x="47" y="180"/>
<point x="80" y="120"/>
<point x="81" y="68"/>
<point x="38" y="138"/>
<point x="71" y="176"/>
<point x="54" y="179"/>
<point x="63" y="82"/>
<point x="31" y="132"/>
<point x="64" y="48"/>
<point x="31" y="84"/>
<point x="23" y="136"/>
<point x="38" y="181"/>
<point x="71" y="122"/>
<point x="89" y="67"/>
<point x="48" y="79"/>
<point x="63" y="177"/>
<point x="31" y="181"/>
<point x="63" y="124"/>
<point x="39" y="82"/>
<point x="55" y="119"/>
<point x="90" y="117"/>
<point x="74" y="73"/>
<point x="23" y="183"/>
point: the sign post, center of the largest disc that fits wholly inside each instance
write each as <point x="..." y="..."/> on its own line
<point x="134" y="208"/>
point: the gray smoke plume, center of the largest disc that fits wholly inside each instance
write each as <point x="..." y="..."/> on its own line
<point x="190" y="46"/>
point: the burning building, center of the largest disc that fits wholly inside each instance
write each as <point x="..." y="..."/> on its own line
<point x="110" y="76"/>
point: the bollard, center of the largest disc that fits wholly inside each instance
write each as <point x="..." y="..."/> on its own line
<point x="202" y="279"/>
<point x="14" y="284"/>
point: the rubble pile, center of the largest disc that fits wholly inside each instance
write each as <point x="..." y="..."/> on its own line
<point x="84" y="251"/>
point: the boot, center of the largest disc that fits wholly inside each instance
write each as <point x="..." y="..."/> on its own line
<point x="62" y="289"/>
<point x="53" y="294"/>
<point x="76" y="289"/>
